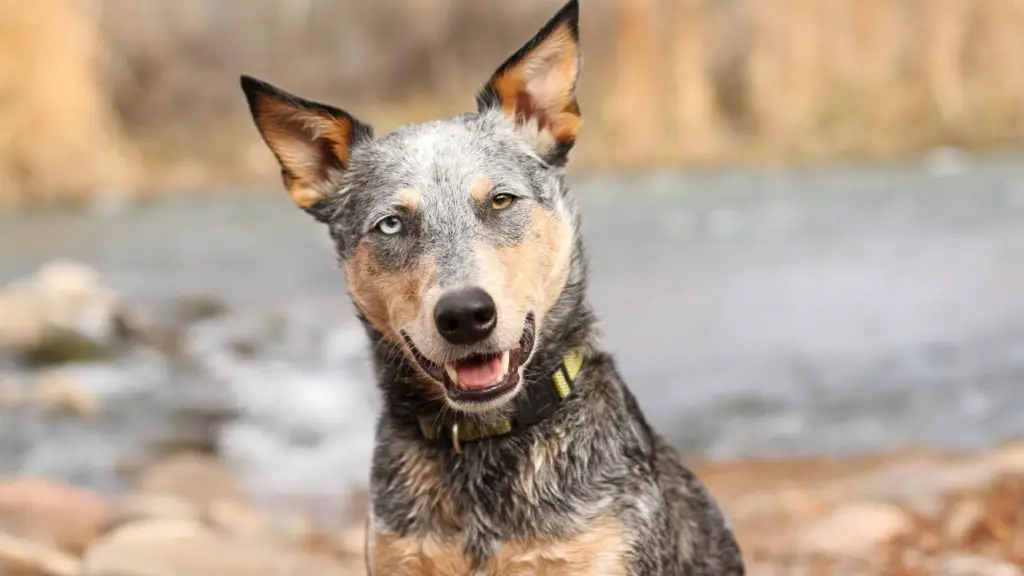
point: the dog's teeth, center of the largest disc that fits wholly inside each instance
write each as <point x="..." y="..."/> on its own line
<point x="452" y="373"/>
<point x="504" y="363"/>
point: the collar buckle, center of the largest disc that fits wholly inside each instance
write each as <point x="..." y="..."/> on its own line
<point x="455" y="437"/>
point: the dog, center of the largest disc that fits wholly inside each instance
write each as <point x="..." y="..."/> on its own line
<point x="508" y="442"/>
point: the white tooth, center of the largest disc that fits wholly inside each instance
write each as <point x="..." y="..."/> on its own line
<point x="504" y="363"/>
<point x="452" y="373"/>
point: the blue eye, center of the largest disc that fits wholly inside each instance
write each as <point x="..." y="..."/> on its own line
<point x="389" y="225"/>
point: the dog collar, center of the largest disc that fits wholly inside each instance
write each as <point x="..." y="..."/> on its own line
<point x="540" y="402"/>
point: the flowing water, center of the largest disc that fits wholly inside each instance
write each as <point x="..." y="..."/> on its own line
<point x="753" y="312"/>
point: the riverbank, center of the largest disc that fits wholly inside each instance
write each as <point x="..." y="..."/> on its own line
<point x="897" y="514"/>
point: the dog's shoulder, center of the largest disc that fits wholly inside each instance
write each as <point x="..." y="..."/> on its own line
<point x="705" y="535"/>
<point x="701" y="540"/>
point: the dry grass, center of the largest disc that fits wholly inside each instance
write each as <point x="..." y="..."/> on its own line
<point x="666" y="81"/>
<point x="812" y="80"/>
<point x="59" y="138"/>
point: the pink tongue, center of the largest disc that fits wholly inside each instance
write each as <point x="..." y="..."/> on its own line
<point x="476" y="376"/>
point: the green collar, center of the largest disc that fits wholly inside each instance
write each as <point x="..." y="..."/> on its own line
<point x="540" y="402"/>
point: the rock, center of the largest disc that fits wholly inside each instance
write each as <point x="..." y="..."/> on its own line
<point x="968" y="565"/>
<point x="181" y="548"/>
<point x="244" y="348"/>
<point x="64" y="313"/>
<point x="23" y="556"/>
<point x="195" y="429"/>
<point x="295" y="528"/>
<point x="51" y="513"/>
<point x="60" y="346"/>
<point x="164" y="326"/>
<point x="20" y="323"/>
<point x="855" y="530"/>
<point x="198" y="307"/>
<point x="166" y="339"/>
<point x="72" y="297"/>
<point x="57" y="391"/>
<point x="238" y="519"/>
<point x="197" y="478"/>
<point x="963" y="520"/>
<point x="142" y="506"/>
<point x="130" y="466"/>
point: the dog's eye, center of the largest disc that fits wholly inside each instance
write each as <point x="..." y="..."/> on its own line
<point x="389" y="225"/>
<point x="502" y="201"/>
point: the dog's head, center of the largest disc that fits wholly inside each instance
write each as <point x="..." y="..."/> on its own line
<point x="456" y="235"/>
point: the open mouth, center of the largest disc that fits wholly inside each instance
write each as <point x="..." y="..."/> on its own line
<point x="480" y="377"/>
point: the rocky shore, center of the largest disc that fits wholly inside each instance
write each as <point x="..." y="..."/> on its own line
<point x="187" y="512"/>
<point x="899" y="514"/>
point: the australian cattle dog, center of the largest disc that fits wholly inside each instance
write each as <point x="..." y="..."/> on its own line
<point x="508" y="443"/>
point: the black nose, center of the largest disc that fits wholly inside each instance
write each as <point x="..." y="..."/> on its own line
<point x="465" y="316"/>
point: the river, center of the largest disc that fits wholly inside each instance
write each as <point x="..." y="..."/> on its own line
<point x="754" y="312"/>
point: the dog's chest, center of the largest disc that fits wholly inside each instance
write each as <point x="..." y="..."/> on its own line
<point x="599" y="550"/>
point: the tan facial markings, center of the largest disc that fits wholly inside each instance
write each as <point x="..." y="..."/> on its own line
<point x="597" y="551"/>
<point x="527" y="277"/>
<point x="530" y="275"/>
<point x="409" y="199"/>
<point x="389" y="299"/>
<point x="480" y="188"/>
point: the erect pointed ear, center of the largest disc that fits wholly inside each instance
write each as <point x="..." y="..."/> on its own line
<point x="536" y="87"/>
<point x="311" y="141"/>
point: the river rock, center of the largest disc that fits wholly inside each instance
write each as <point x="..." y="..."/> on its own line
<point x="52" y="513"/>
<point x="63" y="313"/>
<point x="24" y="556"/>
<point x="197" y="478"/>
<point x="60" y="346"/>
<point x="20" y="324"/>
<point x="144" y="506"/>
<point x="855" y="530"/>
<point x="196" y="426"/>
<point x="236" y="518"/>
<point x="58" y="391"/>
<point x="164" y="325"/>
<point x="969" y="565"/>
<point x="963" y="520"/>
<point x="182" y="548"/>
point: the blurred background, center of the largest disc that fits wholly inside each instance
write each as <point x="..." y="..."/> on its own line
<point x="806" y="222"/>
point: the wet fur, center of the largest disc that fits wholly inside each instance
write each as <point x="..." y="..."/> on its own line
<point x="592" y="489"/>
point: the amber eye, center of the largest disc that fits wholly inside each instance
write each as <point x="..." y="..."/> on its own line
<point x="502" y="201"/>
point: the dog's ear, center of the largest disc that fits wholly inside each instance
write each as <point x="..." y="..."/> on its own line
<point x="311" y="141"/>
<point x="536" y="87"/>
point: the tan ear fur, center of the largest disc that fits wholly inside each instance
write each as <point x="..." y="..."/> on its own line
<point x="536" y="86"/>
<point x="311" y="141"/>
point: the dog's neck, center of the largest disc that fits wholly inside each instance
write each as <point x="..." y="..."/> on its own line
<point x="567" y="328"/>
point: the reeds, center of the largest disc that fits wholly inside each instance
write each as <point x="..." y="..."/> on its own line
<point x="669" y="82"/>
<point x="59" y="137"/>
<point x="820" y="79"/>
